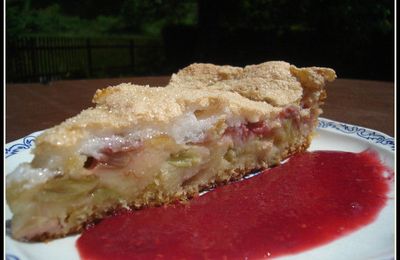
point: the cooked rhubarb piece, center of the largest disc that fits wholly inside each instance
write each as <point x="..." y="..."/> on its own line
<point x="141" y="146"/>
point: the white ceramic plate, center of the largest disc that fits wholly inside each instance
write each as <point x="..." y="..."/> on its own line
<point x="374" y="241"/>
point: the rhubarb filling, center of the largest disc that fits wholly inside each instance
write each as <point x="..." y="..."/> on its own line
<point x="150" y="168"/>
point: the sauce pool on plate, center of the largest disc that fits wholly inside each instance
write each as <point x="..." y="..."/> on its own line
<point x="310" y="200"/>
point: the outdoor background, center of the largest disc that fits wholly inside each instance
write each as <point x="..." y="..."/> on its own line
<point x="50" y="40"/>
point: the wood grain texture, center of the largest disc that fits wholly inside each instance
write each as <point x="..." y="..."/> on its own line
<point x="34" y="107"/>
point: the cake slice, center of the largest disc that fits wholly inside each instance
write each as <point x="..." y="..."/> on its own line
<point x="144" y="146"/>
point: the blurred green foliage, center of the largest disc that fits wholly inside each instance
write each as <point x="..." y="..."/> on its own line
<point x="356" y="37"/>
<point x="64" y="18"/>
<point x="90" y="17"/>
<point x="21" y="20"/>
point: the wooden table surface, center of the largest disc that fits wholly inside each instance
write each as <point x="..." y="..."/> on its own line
<point x="34" y="107"/>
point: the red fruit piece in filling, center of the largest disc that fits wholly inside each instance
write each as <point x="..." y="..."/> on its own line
<point x="259" y="128"/>
<point x="245" y="130"/>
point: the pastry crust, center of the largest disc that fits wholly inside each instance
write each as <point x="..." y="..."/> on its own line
<point x="142" y="146"/>
<point x="255" y="92"/>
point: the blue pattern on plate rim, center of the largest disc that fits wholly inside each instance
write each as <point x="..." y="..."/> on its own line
<point x="27" y="143"/>
<point x="11" y="257"/>
<point x="364" y="133"/>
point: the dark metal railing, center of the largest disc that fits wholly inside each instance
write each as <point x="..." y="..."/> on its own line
<point x="41" y="59"/>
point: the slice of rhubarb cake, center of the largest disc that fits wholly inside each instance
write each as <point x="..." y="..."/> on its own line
<point x="143" y="146"/>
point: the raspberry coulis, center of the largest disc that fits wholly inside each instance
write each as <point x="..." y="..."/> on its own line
<point x="313" y="199"/>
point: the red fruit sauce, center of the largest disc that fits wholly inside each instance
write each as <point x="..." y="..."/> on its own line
<point x="310" y="200"/>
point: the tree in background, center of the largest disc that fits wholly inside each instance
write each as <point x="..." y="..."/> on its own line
<point x="95" y="17"/>
<point x="354" y="36"/>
